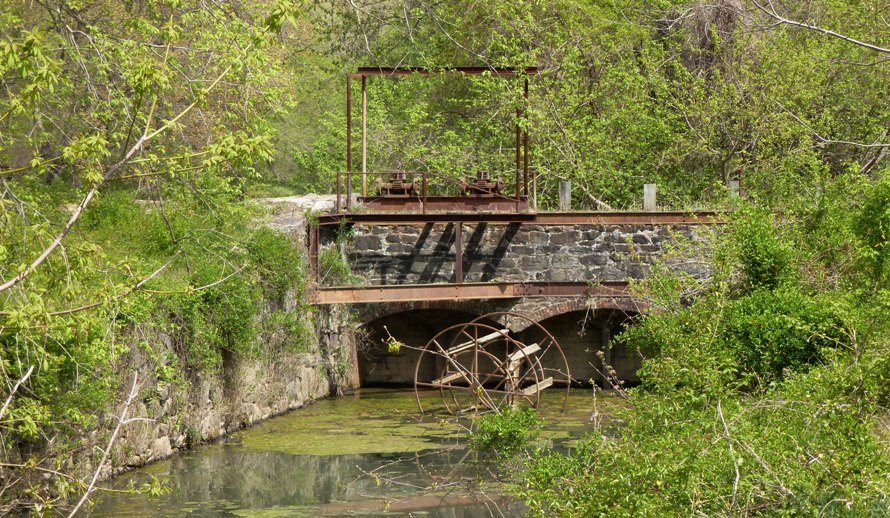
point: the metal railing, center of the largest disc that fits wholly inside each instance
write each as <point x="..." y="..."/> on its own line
<point x="519" y="198"/>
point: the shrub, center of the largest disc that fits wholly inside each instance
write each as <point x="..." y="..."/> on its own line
<point x="278" y="263"/>
<point x="507" y="432"/>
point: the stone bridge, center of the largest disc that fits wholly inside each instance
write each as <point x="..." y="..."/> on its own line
<point x="412" y="275"/>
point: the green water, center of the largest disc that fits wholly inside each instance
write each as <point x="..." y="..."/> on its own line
<point x="369" y="454"/>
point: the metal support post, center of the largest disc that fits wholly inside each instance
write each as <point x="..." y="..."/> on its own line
<point x="348" y="143"/>
<point x="525" y="139"/>
<point x="458" y="252"/>
<point x="364" y="138"/>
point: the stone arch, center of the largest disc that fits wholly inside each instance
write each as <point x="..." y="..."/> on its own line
<point x="542" y="309"/>
<point x="586" y="336"/>
<point x="368" y="313"/>
<point x="413" y="327"/>
<point x="418" y="321"/>
<point x="621" y="304"/>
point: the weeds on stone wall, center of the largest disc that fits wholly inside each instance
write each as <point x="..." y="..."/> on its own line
<point x="333" y="268"/>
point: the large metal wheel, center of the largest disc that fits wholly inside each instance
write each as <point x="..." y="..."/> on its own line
<point x="550" y="355"/>
<point x="480" y="368"/>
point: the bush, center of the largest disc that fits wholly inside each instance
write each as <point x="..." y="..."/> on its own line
<point x="765" y="260"/>
<point x="764" y="394"/>
<point x="278" y="263"/>
<point x="507" y="432"/>
<point x="773" y="332"/>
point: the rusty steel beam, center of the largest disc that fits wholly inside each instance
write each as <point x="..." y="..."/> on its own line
<point x="472" y="71"/>
<point x="630" y="218"/>
<point x="546" y="218"/>
<point x="466" y="291"/>
<point x="444" y="203"/>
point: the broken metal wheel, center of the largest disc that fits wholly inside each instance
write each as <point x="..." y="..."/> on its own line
<point x="480" y="367"/>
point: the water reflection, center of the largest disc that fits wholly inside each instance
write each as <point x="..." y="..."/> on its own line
<point x="225" y="481"/>
<point x="274" y="470"/>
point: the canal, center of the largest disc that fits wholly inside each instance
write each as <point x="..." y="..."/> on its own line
<point x="367" y="454"/>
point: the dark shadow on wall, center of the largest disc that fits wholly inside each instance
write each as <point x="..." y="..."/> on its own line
<point x="414" y="256"/>
<point x="438" y="257"/>
<point x="479" y="265"/>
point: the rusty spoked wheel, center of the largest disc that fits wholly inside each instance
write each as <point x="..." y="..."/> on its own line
<point x="550" y="356"/>
<point x="479" y="368"/>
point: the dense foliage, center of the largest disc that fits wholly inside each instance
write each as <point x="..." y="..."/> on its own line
<point x="766" y="394"/>
<point x="685" y="94"/>
<point x="505" y="433"/>
<point x="127" y="133"/>
<point x="131" y="134"/>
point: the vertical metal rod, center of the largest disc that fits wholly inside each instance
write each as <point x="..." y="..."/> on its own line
<point x="364" y="138"/>
<point x="338" y="191"/>
<point x="606" y="347"/>
<point x="518" y="157"/>
<point x="423" y="189"/>
<point x="458" y="252"/>
<point x="348" y="141"/>
<point x="525" y="138"/>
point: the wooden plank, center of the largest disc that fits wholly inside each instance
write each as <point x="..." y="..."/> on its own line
<point x="524" y="352"/>
<point x="537" y="387"/>
<point x="449" y="378"/>
<point x="481" y="340"/>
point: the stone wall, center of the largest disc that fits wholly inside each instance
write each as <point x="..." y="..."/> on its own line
<point x="177" y="407"/>
<point x="418" y="254"/>
<point x="211" y="405"/>
<point x="195" y="408"/>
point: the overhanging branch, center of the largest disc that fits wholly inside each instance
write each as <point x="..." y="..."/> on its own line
<point x="771" y="12"/>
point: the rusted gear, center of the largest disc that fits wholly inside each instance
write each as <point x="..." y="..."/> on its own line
<point x="482" y="368"/>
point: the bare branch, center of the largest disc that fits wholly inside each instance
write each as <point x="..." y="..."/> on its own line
<point x="121" y="420"/>
<point x="220" y="281"/>
<point x="14" y="389"/>
<point x="735" y="483"/>
<point x="822" y="139"/>
<point x="124" y="295"/>
<point x="771" y="12"/>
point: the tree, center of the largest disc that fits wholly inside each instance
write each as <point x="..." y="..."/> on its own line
<point x="686" y="94"/>
<point x="111" y="114"/>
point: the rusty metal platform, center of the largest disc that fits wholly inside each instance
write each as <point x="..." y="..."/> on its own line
<point x="445" y="204"/>
<point x="465" y="291"/>
<point x="541" y="218"/>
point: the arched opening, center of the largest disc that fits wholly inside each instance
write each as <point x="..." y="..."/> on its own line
<point x="582" y="334"/>
<point x="413" y="328"/>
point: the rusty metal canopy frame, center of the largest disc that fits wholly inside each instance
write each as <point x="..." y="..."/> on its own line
<point x="484" y="368"/>
<point x="522" y="139"/>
